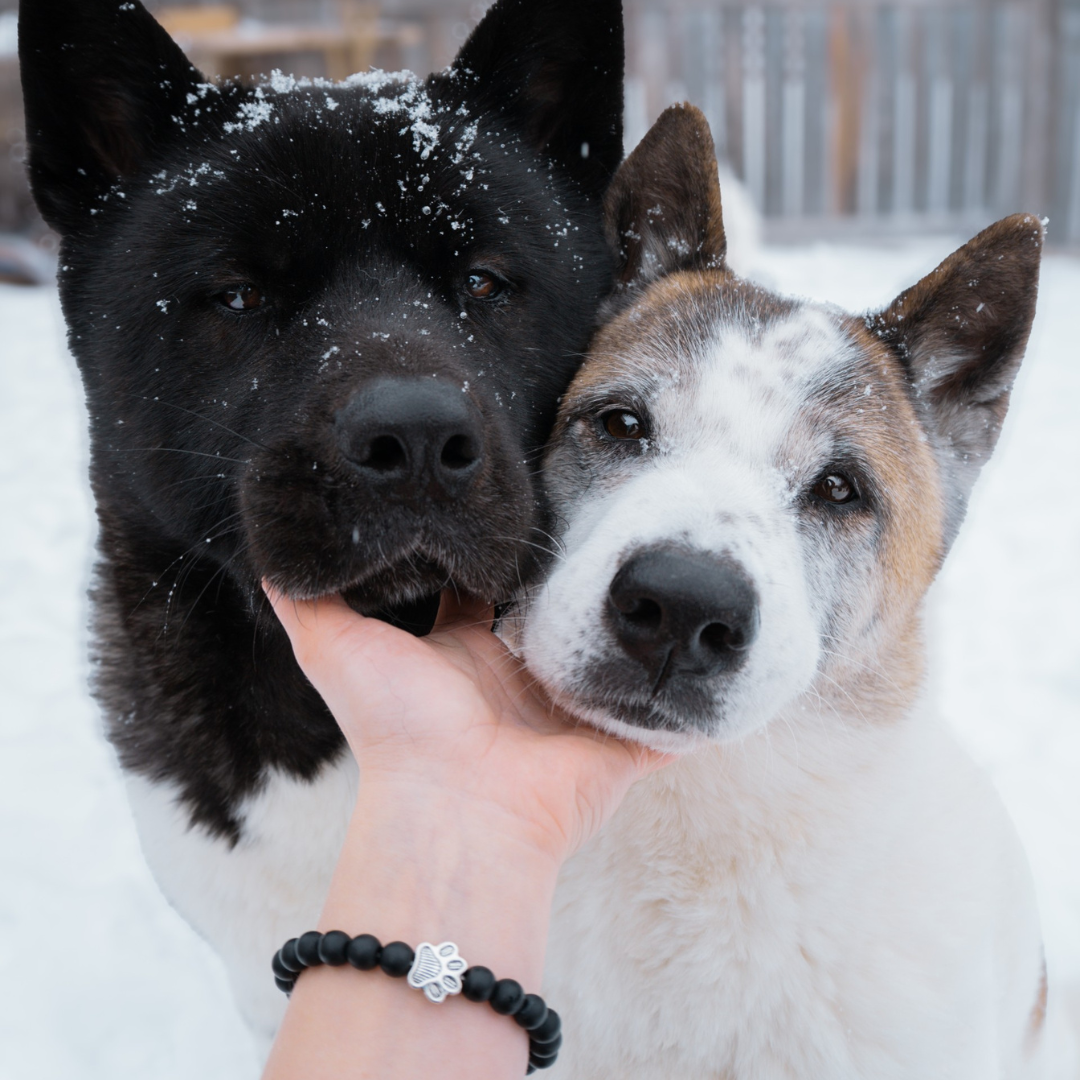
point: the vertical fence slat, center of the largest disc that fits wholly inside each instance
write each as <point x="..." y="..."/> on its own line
<point x="939" y="165"/>
<point x="753" y="88"/>
<point x="977" y="146"/>
<point x="1008" y="117"/>
<point x="819" y="130"/>
<point x="904" y="118"/>
<point x="793" y="169"/>
<point x="958" y="61"/>
<point x="1036" y="162"/>
<point x="1068" y="130"/>
<point x="714" y="101"/>
<point x="867" y="80"/>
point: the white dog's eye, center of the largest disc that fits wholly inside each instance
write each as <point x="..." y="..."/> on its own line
<point x="836" y="488"/>
<point x="623" y="425"/>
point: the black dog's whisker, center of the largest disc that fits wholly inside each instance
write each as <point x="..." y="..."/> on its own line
<point x="174" y="450"/>
<point x="199" y="416"/>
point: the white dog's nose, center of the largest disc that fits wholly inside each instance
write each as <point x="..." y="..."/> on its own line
<point x="683" y="614"/>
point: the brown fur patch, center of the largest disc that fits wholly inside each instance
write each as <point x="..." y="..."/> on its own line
<point x="886" y="428"/>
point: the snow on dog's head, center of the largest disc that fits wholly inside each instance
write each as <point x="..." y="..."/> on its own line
<point x="755" y="492"/>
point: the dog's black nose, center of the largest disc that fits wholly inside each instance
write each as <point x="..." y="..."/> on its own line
<point x="413" y="437"/>
<point x="683" y="614"/>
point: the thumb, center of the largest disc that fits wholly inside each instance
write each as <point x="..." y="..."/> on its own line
<point x="326" y="634"/>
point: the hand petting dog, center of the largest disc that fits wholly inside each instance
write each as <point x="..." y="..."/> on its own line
<point x="455" y="716"/>
<point x="473" y="791"/>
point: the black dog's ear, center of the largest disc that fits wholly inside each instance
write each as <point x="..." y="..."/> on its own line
<point x="662" y="212"/>
<point x="103" y="85"/>
<point x="960" y="334"/>
<point x="555" y="68"/>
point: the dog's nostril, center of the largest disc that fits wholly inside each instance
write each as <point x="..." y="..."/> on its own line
<point x="720" y="638"/>
<point x="459" y="453"/>
<point x="385" y="454"/>
<point x="644" y="613"/>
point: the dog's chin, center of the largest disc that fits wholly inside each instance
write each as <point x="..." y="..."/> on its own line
<point x="640" y="723"/>
<point x="405" y="593"/>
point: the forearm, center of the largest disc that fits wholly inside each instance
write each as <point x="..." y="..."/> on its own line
<point x="416" y="867"/>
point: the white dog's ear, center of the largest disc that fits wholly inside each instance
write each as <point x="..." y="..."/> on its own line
<point x="960" y="335"/>
<point x="662" y="212"/>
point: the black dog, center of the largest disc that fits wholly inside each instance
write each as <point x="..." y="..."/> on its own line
<point x="323" y="330"/>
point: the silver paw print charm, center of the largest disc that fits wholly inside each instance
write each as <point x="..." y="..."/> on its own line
<point x="437" y="970"/>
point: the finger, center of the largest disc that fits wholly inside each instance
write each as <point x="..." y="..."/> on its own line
<point x="326" y="632"/>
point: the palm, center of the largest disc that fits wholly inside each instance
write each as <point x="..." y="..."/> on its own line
<point x="458" y="713"/>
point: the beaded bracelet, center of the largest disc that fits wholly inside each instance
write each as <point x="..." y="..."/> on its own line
<point x="437" y="970"/>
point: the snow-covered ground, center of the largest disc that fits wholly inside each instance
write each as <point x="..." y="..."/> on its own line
<point x="103" y="981"/>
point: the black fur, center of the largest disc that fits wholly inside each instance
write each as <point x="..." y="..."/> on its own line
<point x="358" y="212"/>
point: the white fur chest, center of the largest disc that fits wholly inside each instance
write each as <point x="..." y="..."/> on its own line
<point x="858" y="909"/>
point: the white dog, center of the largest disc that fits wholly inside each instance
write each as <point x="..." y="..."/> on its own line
<point x="756" y="494"/>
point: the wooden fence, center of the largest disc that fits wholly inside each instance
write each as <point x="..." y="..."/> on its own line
<point x="842" y="116"/>
<point x="875" y="115"/>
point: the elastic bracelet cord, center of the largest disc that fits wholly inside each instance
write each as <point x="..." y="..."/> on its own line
<point x="438" y="970"/>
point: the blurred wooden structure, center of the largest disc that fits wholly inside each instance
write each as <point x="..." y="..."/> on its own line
<point x="16" y="206"/>
<point x="875" y="115"/>
<point x="844" y="117"/>
<point x="220" y="43"/>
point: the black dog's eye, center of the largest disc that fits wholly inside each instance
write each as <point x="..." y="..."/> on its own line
<point x="483" y="285"/>
<point x="242" y="298"/>
<point x="623" y="425"/>
<point x="837" y="489"/>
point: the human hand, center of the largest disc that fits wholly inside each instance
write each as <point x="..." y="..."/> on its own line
<point x="455" y="718"/>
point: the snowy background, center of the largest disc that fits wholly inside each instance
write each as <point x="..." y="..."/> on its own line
<point x="103" y="981"/>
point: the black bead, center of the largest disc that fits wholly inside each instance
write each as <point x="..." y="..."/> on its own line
<point x="397" y="958"/>
<point x="284" y="985"/>
<point x="307" y="948"/>
<point x="533" y="1012"/>
<point x="507" y="997"/>
<point x="280" y="970"/>
<point x="545" y="1051"/>
<point x="332" y="948"/>
<point x="478" y="983"/>
<point x="542" y="1063"/>
<point x="548" y="1030"/>
<point x="364" y="952"/>
<point x="530" y="1070"/>
<point x="289" y="957"/>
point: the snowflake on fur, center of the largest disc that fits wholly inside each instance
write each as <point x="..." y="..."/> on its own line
<point x="437" y="970"/>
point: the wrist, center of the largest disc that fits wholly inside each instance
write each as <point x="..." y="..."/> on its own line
<point x="431" y="866"/>
<point x="489" y="822"/>
<point x="421" y="869"/>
